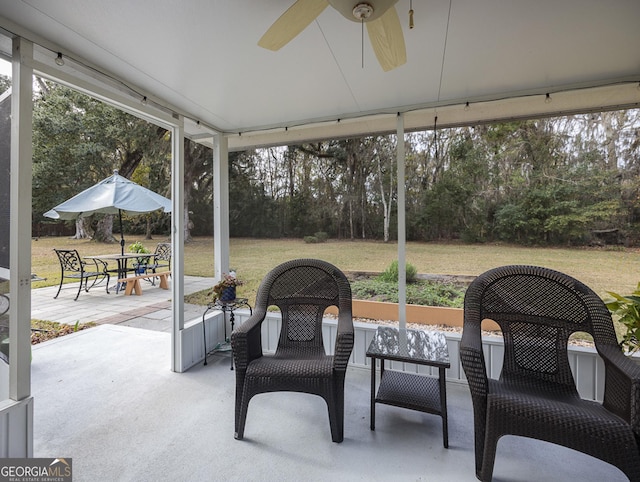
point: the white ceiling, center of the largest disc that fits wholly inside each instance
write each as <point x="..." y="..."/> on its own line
<point x="200" y="58"/>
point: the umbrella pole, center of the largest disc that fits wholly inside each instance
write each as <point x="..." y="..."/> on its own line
<point x="121" y="233"/>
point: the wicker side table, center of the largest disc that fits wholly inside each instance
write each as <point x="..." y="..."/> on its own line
<point x="410" y="390"/>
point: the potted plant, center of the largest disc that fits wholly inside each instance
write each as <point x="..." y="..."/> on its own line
<point x="627" y="308"/>
<point x="225" y="290"/>
<point x="138" y="247"/>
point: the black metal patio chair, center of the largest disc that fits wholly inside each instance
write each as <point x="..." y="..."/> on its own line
<point x="73" y="266"/>
<point x="161" y="259"/>
<point x="302" y="289"/>
<point x="535" y="396"/>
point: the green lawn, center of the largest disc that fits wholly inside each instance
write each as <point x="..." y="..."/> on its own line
<point x="602" y="269"/>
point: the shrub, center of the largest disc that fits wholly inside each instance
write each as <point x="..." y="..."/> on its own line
<point x="319" y="237"/>
<point x="391" y="273"/>
<point x="427" y="293"/>
<point x="627" y="308"/>
<point x="322" y="236"/>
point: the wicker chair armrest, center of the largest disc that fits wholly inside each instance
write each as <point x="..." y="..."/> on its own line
<point x="344" y="341"/>
<point x="472" y="357"/>
<point x="622" y="385"/>
<point x="246" y="340"/>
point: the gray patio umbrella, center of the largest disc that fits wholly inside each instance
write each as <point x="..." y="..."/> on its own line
<point x="113" y="195"/>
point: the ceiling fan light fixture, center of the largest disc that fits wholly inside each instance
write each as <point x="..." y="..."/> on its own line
<point x="380" y="16"/>
<point x="362" y="11"/>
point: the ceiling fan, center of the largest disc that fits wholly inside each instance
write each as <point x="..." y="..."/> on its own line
<point x="380" y="16"/>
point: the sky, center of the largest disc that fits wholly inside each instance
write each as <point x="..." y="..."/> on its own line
<point x="5" y="68"/>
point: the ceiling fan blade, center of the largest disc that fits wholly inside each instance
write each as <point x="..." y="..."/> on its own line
<point x="291" y="23"/>
<point x="387" y="40"/>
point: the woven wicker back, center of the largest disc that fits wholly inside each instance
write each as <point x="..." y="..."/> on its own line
<point x="303" y="289"/>
<point x="537" y="310"/>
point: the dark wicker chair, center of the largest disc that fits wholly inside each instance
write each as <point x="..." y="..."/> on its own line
<point x="303" y="289"/>
<point x="535" y="396"/>
<point x="73" y="266"/>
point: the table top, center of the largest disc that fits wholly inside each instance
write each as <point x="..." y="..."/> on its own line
<point x="413" y="346"/>
<point x="120" y="256"/>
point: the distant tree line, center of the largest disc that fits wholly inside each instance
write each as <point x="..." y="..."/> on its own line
<point x="558" y="181"/>
<point x="570" y="180"/>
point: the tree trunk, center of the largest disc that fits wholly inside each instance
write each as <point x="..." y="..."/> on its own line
<point x="148" y="234"/>
<point x="351" y="233"/>
<point x="104" y="230"/>
<point x="188" y="225"/>
<point x="611" y="124"/>
<point x="386" y="206"/>
<point x="364" y="214"/>
<point x="82" y="229"/>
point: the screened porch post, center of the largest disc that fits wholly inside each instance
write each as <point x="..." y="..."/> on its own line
<point x="20" y="231"/>
<point x="177" y="242"/>
<point x="402" y="255"/>
<point x="220" y="206"/>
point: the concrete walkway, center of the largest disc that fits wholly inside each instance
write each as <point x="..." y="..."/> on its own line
<point x="151" y="310"/>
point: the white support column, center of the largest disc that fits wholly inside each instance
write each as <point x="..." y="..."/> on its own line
<point x="402" y="234"/>
<point x="220" y="206"/>
<point x="20" y="221"/>
<point x="177" y="242"/>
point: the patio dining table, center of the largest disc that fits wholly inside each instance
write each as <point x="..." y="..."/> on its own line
<point x="122" y="261"/>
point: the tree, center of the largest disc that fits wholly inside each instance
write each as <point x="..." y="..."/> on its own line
<point x="198" y="172"/>
<point x="544" y="181"/>
<point x="65" y="156"/>
<point x="384" y="157"/>
<point x="79" y="141"/>
<point x="5" y="83"/>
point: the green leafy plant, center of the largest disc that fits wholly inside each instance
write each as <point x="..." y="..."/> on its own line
<point x="627" y="308"/>
<point x="138" y="247"/>
<point x="321" y="236"/>
<point x="391" y="273"/>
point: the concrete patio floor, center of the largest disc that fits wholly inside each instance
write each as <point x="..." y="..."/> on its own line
<point x="151" y="310"/>
<point x="106" y="398"/>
